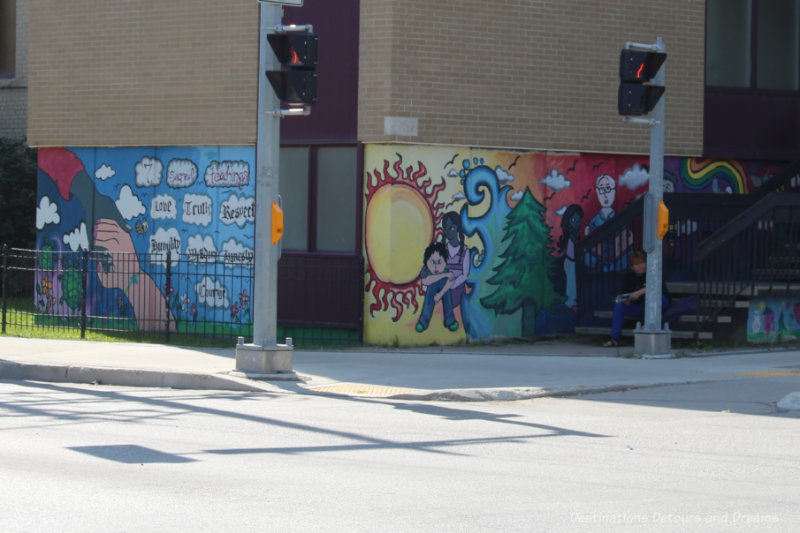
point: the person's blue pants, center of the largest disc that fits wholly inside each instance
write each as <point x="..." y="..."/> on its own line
<point x="633" y="309"/>
<point x="429" y="304"/>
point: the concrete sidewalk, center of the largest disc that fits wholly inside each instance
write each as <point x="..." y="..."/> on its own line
<point x="469" y="373"/>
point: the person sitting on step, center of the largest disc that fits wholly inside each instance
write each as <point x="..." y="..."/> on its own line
<point x="632" y="302"/>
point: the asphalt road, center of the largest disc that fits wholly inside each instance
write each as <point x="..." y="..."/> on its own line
<point x="698" y="457"/>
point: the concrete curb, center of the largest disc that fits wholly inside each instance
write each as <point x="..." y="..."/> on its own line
<point x="130" y="377"/>
<point x="295" y="384"/>
<point x="513" y="394"/>
<point x="174" y="379"/>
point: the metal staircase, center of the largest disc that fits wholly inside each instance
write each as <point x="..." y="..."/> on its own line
<point x="725" y="249"/>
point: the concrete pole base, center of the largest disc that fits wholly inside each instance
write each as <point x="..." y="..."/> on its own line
<point x="255" y="359"/>
<point x="653" y="345"/>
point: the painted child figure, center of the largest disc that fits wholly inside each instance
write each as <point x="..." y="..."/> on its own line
<point x="437" y="281"/>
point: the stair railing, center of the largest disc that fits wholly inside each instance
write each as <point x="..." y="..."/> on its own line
<point x="695" y="219"/>
<point x="693" y="216"/>
<point x="756" y="252"/>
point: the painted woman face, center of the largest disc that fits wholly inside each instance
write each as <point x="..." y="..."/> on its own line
<point x="450" y="230"/>
<point x="575" y="224"/>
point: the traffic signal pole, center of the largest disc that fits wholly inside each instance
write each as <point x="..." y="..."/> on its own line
<point x="651" y="340"/>
<point x="265" y="356"/>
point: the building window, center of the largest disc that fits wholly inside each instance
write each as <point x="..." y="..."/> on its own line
<point x="336" y="199"/>
<point x="319" y="193"/>
<point x="8" y="38"/>
<point x="293" y="187"/>
<point x="753" y="43"/>
<point x="777" y="44"/>
<point x="728" y="43"/>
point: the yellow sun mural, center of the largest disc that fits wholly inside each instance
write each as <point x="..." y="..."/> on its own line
<point x="402" y="212"/>
<point x="399" y="218"/>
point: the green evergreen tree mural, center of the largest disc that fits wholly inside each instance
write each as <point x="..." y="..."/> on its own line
<point x="523" y="276"/>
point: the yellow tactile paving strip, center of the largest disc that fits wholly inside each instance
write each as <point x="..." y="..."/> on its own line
<point x="769" y="374"/>
<point x="361" y="389"/>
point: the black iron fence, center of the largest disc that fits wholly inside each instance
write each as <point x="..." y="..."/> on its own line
<point x="164" y="297"/>
<point x="719" y="246"/>
<point x="756" y="253"/>
<point x="693" y="219"/>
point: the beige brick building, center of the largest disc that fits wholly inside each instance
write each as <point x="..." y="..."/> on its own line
<point x="143" y="73"/>
<point x="530" y="75"/>
<point x="13" y="67"/>
<point x="509" y="74"/>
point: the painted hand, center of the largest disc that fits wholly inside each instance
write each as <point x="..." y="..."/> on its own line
<point x="117" y="264"/>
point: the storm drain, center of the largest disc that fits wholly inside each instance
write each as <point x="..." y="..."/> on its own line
<point x="360" y="389"/>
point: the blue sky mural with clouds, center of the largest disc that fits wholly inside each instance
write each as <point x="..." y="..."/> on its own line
<point x="198" y="203"/>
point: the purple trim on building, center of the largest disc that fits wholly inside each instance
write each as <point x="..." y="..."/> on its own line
<point x="334" y="118"/>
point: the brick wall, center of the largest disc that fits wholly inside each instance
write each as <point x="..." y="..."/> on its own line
<point x="13" y="92"/>
<point x="142" y="73"/>
<point x="12" y="112"/>
<point x="539" y="75"/>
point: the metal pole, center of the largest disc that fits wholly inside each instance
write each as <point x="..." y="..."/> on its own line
<point x="84" y="285"/>
<point x="654" y="258"/>
<point x="265" y="355"/>
<point x="652" y="339"/>
<point x="265" y="294"/>
<point x="167" y="293"/>
<point x="5" y="269"/>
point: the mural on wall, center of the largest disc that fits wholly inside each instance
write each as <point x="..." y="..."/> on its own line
<point x="141" y="203"/>
<point x="466" y="244"/>
<point x="773" y="320"/>
<point x="460" y="244"/>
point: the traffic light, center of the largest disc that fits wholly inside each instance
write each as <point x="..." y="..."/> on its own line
<point x="636" y="68"/>
<point x="296" y="83"/>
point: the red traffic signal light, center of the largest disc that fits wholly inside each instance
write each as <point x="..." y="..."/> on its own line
<point x="298" y="50"/>
<point x="296" y="83"/>
<point x="639" y="66"/>
<point x="636" y="69"/>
